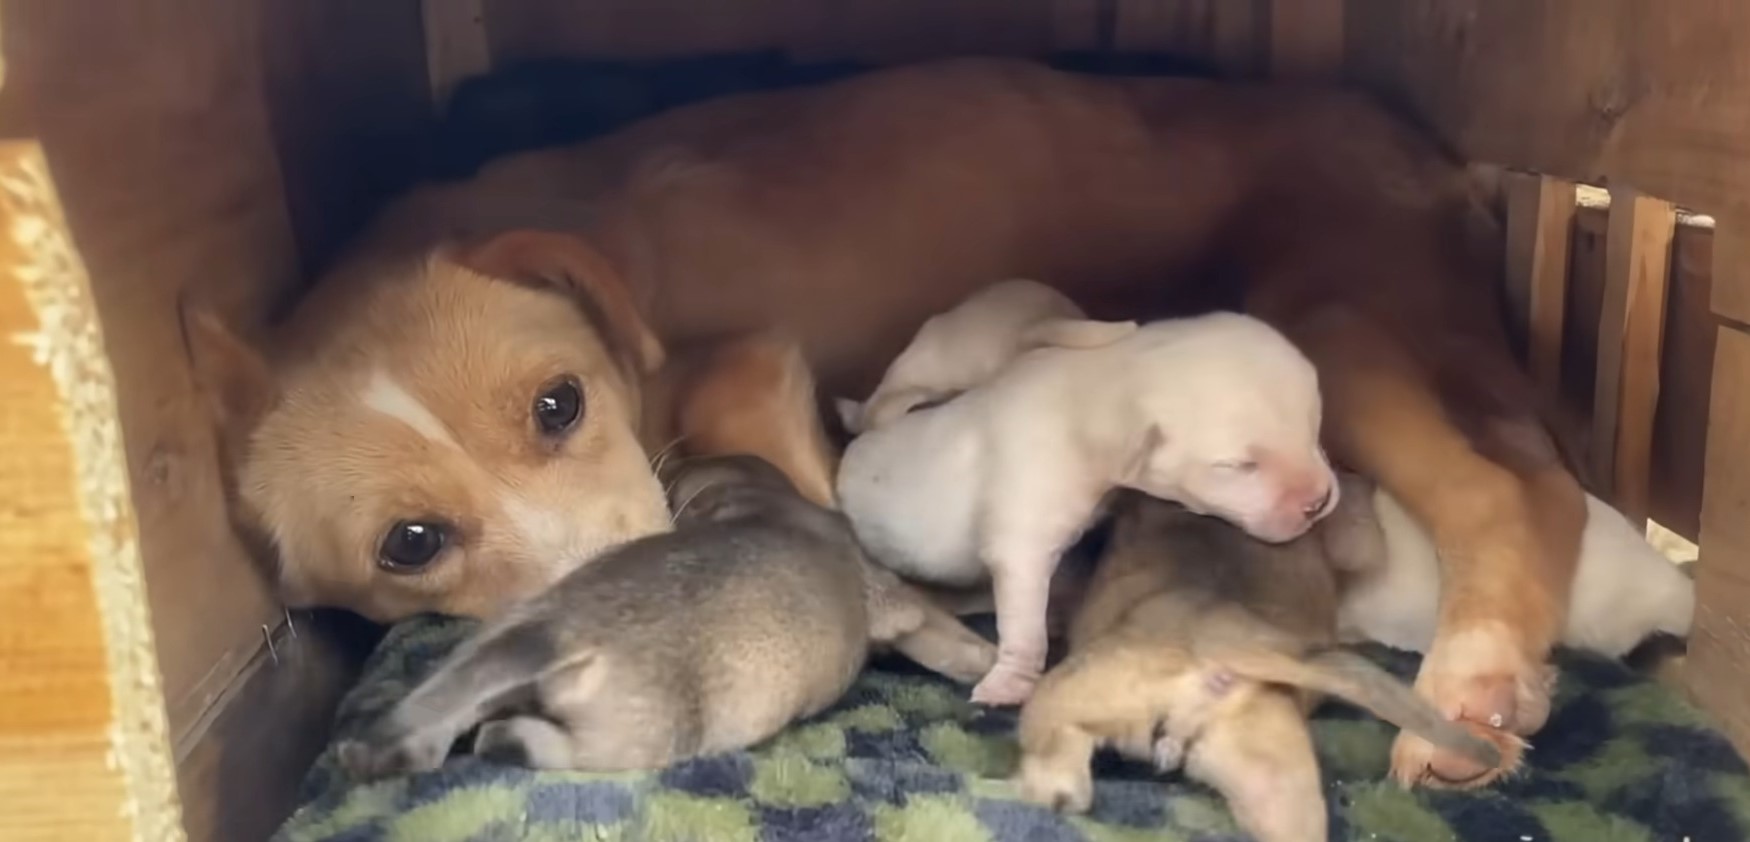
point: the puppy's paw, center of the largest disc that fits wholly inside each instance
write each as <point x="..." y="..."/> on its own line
<point x="1478" y="677"/>
<point x="1062" y="787"/>
<point x="1004" y="685"/>
<point x="367" y="759"/>
<point x="524" y="741"/>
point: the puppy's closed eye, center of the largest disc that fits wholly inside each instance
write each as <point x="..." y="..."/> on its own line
<point x="558" y="406"/>
<point x="1238" y="466"/>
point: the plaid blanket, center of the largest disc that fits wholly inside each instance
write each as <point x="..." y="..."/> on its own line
<point x="904" y="756"/>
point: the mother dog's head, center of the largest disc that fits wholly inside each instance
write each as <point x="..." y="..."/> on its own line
<point x="449" y="434"/>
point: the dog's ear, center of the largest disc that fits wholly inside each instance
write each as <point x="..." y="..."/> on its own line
<point x="238" y="384"/>
<point x="567" y="262"/>
<point x="1075" y="333"/>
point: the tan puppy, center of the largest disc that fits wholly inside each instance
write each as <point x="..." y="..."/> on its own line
<point x="970" y="343"/>
<point x="758" y="610"/>
<point x="1218" y="412"/>
<point x="1197" y="645"/>
<point x="848" y="214"/>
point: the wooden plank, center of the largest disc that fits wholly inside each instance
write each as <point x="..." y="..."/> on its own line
<point x="1731" y="298"/>
<point x="350" y="105"/>
<point x="1718" y="665"/>
<point x="84" y="751"/>
<point x="456" y="46"/>
<point x="1619" y="91"/>
<point x="1631" y="333"/>
<point x="193" y="205"/>
<point x="1231" y="34"/>
<point x="1306" y="39"/>
<point x="1540" y="222"/>
<point x="1686" y="371"/>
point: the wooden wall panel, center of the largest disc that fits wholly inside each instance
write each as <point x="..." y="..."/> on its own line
<point x="1232" y="34"/>
<point x="1680" y="421"/>
<point x="882" y="30"/>
<point x="1718" y="665"/>
<point x="84" y="750"/>
<point x="1633" y="91"/>
<point x="1631" y="339"/>
<point x="153" y="121"/>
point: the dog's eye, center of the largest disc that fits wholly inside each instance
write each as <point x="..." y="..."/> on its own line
<point x="558" y="406"/>
<point x="411" y="545"/>
<point x="1239" y="466"/>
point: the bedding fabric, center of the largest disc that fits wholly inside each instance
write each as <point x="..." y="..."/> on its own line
<point x="904" y="756"/>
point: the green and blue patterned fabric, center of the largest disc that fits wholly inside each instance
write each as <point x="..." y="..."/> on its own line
<point x="904" y="756"/>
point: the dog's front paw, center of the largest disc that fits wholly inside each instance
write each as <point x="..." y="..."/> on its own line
<point x="1065" y="788"/>
<point x="368" y="759"/>
<point x="1168" y="753"/>
<point x="1004" y="685"/>
<point x="1479" y="677"/>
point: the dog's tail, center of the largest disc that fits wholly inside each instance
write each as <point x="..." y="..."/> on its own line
<point x="1355" y="679"/>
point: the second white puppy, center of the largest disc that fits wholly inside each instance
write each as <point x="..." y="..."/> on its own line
<point x="1220" y="413"/>
<point x="1624" y="590"/>
<point x="967" y="345"/>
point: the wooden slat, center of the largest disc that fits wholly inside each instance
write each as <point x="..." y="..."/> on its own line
<point x="1618" y="91"/>
<point x="456" y="46"/>
<point x="1231" y="34"/>
<point x="1306" y="39"/>
<point x="1630" y="342"/>
<point x="1718" y="665"/>
<point x="152" y="117"/>
<point x="1731" y="299"/>
<point x="1540" y="222"/>
<point x="84" y="752"/>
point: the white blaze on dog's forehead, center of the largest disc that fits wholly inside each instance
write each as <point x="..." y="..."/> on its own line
<point x="386" y="396"/>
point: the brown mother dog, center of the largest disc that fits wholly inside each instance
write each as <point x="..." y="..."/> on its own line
<point x="434" y="433"/>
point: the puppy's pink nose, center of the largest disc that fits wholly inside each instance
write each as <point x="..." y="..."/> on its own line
<point x="1317" y="507"/>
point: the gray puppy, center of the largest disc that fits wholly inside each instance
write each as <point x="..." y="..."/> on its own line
<point x="759" y="609"/>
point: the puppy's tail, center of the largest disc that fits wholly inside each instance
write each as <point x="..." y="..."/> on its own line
<point x="1355" y="679"/>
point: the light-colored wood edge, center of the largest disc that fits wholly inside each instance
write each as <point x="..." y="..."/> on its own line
<point x="1631" y="333"/>
<point x="1306" y="39"/>
<point x="97" y="767"/>
<point x="1540" y="223"/>
<point x="1717" y="667"/>
<point x="456" y="45"/>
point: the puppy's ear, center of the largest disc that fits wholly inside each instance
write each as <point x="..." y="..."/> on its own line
<point x="238" y="383"/>
<point x="567" y="262"/>
<point x="1075" y="333"/>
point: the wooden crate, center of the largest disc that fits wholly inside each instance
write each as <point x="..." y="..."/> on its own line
<point x="226" y="148"/>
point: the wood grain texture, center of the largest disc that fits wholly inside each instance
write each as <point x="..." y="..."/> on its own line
<point x="1540" y="222"/>
<point x="84" y="748"/>
<point x="1731" y="298"/>
<point x="1718" y="664"/>
<point x="1631" y="332"/>
<point x="1686" y="370"/>
<point x="152" y="118"/>
<point x="1626" y="91"/>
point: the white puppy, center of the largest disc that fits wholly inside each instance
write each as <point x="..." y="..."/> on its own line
<point x="1624" y="590"/>
<point x="967" y="345"/>
<point x="1220" y="413"/>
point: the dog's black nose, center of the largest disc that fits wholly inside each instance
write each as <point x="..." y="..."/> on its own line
<point x="1313" y="509"/>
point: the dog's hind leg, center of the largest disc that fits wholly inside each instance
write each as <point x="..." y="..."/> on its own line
<point x="1259" y="756"/>
<point x="1504" y="513"/>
